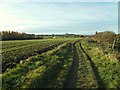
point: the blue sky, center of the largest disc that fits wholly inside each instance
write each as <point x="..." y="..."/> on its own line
<point x="59" y="17"/>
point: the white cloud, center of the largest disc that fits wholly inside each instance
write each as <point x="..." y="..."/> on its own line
<point x="57" y="16"/>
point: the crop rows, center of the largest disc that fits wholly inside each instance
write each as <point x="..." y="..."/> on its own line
<point x="14" y="56"/>
<point x="41" y="70"/>
<point x="63" y="63"/>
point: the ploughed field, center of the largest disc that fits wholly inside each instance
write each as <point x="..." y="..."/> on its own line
<point x="58" y="63"/>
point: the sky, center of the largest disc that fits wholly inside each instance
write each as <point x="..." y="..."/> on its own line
<point x="59" y="17"/>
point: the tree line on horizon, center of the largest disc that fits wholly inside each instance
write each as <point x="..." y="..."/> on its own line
<point x="13" y="35"/>
<point x="106" y="36"/>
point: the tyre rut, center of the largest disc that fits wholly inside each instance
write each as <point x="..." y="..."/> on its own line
<point x="95" y="70"/>
<point x="72" y="78"/>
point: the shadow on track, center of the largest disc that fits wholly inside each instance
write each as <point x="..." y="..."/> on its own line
<point x="95" y="70"/>
<point x="72" y="78"/>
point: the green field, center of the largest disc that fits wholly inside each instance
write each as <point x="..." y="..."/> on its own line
<point x="59" y="63"/>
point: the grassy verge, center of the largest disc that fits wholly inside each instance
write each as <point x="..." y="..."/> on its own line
<point x="106" y="63"/>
